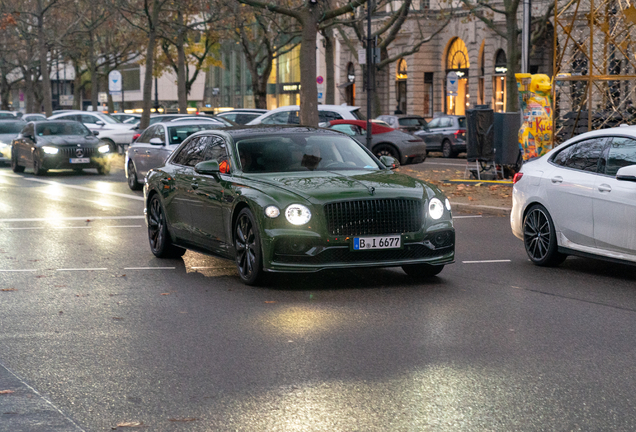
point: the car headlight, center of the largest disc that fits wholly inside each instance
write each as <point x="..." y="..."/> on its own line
<point x="272" y="212"/>
<point x="297" y="214"/>
<point x="50" y="150"/>
<point x="103" y="149"/>
<point x="435" y="209"/>
<point x="3" y="145"/>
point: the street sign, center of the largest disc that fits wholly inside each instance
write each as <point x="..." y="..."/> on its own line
<point x="319" y="95"/>
<point x="102" y="97"/>
<point x="66" y="100"/>
<point x="362" y="56"/>
<point x="114" y="81"/>
<point x="320" y="80"/>
<point x="452" y="84"/>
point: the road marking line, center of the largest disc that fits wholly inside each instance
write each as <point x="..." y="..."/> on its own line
<point x="149" y="268"/>
<point x="486" y="261"/>
<point x="84" y="218"/>
<point x="20" y="270"/>
<point x="466" y="217"/>
<point x="82" y="269"/>
<point x="82" y="188"/>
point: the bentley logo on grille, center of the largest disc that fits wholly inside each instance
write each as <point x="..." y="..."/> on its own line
<point x="79" y="152"/>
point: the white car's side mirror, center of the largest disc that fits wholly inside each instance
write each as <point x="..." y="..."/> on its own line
<point x="627" y="173"/>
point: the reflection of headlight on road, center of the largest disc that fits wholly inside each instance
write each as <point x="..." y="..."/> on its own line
<point x="50" y="150"/>
<point x="103" y="149"/>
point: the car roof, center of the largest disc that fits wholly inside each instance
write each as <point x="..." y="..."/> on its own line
<point x="273" y="130"/>
<point x="245" y="110"/>
<point x="187" y="123"/>
<point x="616" y="131"/>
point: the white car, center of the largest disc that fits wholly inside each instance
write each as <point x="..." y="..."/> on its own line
<point x="111" y="131"/>
<point x="326" y="113"/>
<point x="579" y="199"/>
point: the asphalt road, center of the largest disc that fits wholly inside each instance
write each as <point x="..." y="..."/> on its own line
<point x="95" y="332"/>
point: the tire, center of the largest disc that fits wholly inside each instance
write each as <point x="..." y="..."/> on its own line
<point x="422" y="270"/>
<point x="247" y="243"/>
<point x="447" y="149"/>
<point x="37" y="166"/>
<point x="386" y="150"/>
<point x="133" y="184"/>
<point x="539" y="238"/>
<point x="158" y="236"/>
<point x="14" y="164"/>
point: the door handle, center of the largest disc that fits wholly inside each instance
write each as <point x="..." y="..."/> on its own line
<point x="557" y="179"/>
<point x="604" y="188"/>
<point x="195" y="186"/>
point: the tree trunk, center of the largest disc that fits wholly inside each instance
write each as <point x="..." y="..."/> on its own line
<point x="5" y="92"/>
<point x="150" y="57"/>
<point x="308" y="89"/>
<point x="44" y="66"/>
<point x="182" y="91"/>
<point x="29" y="96"/>
<point x="77" y="87"/>
<point x="514" y="55"/>
<point x="331" y="66"/>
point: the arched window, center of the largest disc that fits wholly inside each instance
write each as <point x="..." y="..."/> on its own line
<point x="499" y="81"/>
<point x="457" y="64"/>
<point x="401" y="77"/>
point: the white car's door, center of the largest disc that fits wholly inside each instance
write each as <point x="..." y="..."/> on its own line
<point x="570" y="187"/>
<point x="615" y="200"/>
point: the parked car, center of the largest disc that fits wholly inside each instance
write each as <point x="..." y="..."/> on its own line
<point x="446" y="134"/>
<point x="154" y="146"/>
<point x="110" y="131"/>
<point x="385" y="141"/>
<point x="10" y="115"/>
<point x="404" y="122"/>
<point x="326" y="113"/>
<point x="126" y="117"/>
<point x="295" y="199"/>
<point x="9" y="129"/>
<point x="242" y="115"/>
<point x="48" y="144"/>
<point x="578" y="199"/>
<point x="33" y="117"/>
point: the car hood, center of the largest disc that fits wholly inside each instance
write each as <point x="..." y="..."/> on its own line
<point x="62" y="140"/>
<point x="327" y="186"/>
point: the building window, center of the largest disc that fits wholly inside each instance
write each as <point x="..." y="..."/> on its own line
<point x="428" y="94"/>
<point x="401" y="77"/>
<point x="499" y="81"/>
<point x="457" y="62"/>
<point x="351" y="84"/>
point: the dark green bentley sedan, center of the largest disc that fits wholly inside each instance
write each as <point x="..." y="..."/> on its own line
<point x="295" y="199"/>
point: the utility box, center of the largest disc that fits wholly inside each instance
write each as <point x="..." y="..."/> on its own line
<point x="479" y="135"/>
<point x="506" y="138"/>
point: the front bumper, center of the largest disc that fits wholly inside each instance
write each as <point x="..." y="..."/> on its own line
<point x="63" y="162"/>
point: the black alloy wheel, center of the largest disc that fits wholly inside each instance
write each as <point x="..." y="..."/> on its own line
<point x="133" y="184"/>
<point x="160" y="243"/>
<point x="539" y="238"/>
<point x="37" y="166"/>
<point x="447" y="149"/>
<point x="14" y="163"/>
<point x="422" y="270"/>
<point x="247" y="242"/>
<point x="386" y="150"/>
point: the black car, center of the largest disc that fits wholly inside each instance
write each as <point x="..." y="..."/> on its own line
<point x="57" y="144"/>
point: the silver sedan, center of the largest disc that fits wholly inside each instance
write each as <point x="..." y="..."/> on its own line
<point x="579" y="199"/>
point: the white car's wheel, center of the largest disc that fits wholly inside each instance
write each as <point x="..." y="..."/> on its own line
<point x="539" y="238"/>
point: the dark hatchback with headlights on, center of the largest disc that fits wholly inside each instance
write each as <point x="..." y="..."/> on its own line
<point x="59" y="144"/>
<point x="295" y="199"/>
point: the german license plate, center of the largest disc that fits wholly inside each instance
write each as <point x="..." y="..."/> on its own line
<point x="384" y="242"/>
<point x="80" y="160"/>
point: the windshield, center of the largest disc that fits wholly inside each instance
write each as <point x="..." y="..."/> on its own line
<point x="11" y="127"/>
<point x="106" y="118"/>
<point x="178" y="133"/>
<point x="412" y="121"/>
<point x="357" y="114"/>
<point x="61" y="128"/>
<point x="296" y="152"/>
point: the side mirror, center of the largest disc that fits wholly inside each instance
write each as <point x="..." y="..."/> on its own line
<point x="627" y="173"/>
<point x="209" y="167"/>
<point x="156" y="141"/>
<point x="390" y="162"/>
<point x="96" y="133"/>
<point x="100" y="123"/>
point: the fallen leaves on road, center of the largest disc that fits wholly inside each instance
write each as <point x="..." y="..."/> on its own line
<point x="40" y="276"/>
<point x="6" y="391"/>
<point x="187" y="419"/>
<point x="8" y="289"/>
<point x="130" y="424"/>
<point x="119" y="276"/>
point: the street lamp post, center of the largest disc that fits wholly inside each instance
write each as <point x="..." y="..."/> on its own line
<point x="370" y="72"/>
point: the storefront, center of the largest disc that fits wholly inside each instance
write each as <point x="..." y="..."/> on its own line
<point x="457" y="61"/>
<point x="499" y="82"/>
<point x="401" y="77"/>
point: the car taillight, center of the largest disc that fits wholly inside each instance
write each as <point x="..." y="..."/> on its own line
<point x="135" y="136"/>
<point x="460" y="132"/>
<point x="517" y="177"/>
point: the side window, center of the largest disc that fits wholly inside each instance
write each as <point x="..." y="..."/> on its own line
<point x="326" y="116"/>
<point x="146" y="135"/>
<point x="434" y="123"/>
<point x="622" y="152"/>
<point x="160" y="133"/>
<point x="585" y="155"/>
<point x="216" y="149"/>
<point x="277" y="118"/>
<point x="189" y="152"/>
<point x="294" y="117"/>
<point x="446" y="122"/>
<point x="88" y="119"/>
<point x="28" y="130"/>
<point x="346" y="128"/>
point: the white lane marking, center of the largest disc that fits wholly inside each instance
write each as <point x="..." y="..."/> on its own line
<point x="486" y="261"/>
<point x="149" y="268"/>
<point x="42" y="397"/>
<point x="82" y="188"/>
<point x="20" y="270"/>
<point x="82" y="269"/>
<point x="466" y="217"/>
<point x="54" y="219"/>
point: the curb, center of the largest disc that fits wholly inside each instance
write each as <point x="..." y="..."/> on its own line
<point x="482" y="209"/>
